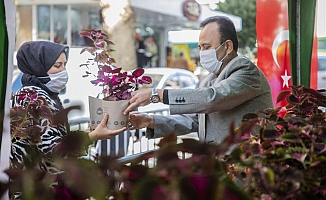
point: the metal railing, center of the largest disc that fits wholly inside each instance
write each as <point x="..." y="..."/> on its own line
<point x="125" y="144"/>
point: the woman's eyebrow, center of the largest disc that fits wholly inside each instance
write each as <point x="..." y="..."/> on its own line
<point x="59" y="62"/>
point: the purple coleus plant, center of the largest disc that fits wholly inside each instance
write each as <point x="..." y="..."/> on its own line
<point x="116" y="83"/>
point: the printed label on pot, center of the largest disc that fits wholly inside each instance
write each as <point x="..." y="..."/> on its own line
<point x="99" y="107"/>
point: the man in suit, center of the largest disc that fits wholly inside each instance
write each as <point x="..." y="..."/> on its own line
<point x="181" y="62"/>
<point x="234" y="87"/>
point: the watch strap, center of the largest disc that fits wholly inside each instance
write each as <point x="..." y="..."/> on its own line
<point x="154" y="91"/>
<point x="154" y="97"/>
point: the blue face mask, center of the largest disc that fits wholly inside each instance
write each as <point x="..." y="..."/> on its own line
<point x="209" y="61"/>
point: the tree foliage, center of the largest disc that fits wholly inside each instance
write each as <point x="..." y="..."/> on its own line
<point x="246" y="9"/>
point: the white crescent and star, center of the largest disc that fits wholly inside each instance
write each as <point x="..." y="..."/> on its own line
<point x="281" y="37"/>
<point x="286" y="79"/>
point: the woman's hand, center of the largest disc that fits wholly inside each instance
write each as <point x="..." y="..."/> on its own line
<point x="139" y="120"/>
<point x="102" y="132"/>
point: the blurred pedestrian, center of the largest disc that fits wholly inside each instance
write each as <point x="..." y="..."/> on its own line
<point x="254" y="57"/>
<point x="181" y="62"/>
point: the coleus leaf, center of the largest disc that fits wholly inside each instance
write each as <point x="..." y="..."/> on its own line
<point x="95" y="82"/>
<point x="111" y="60"/>
<point x="116" y="70"/>
<point x="138" y="72"/>
<point x="107" y="68"/>
<point x="61" y="116"/>
<point x="108" y="41"/>
<point x="101" y="44"/>
<point x="86" y="34"/>
<point x="293" y="100"/>
<point x="283" y="95"/>
<point x="91" y="50"/>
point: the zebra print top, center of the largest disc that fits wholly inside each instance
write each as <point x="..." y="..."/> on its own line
<point x="51" y="135"/>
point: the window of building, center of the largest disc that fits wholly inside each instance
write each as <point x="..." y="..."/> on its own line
<point x="62" y="23"/>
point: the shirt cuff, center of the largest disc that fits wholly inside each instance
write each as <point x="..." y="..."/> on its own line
<point x="166" y="97"/>
<point x="149" y="133"/>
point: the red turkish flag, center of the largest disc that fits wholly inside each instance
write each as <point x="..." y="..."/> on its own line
<point x="273" y="46"/>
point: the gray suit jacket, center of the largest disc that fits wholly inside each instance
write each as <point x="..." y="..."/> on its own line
<point x="240" y="88"/>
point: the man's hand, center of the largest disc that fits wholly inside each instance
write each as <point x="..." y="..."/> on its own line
<point x="140" y="120"/>
<point x="102" y="132"/>
<point x="139" y="97"/>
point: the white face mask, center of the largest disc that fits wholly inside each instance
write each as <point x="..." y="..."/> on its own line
<point x="58" y="81"/>
<point x="209" y="61"/>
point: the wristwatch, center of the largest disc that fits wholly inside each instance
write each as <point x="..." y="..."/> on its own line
<point x="154" y="98"/>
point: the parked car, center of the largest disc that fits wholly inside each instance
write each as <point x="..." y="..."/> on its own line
<point x="321" y="71"/>
<point x="171" y="78"/>
<point x="167" y="78"/>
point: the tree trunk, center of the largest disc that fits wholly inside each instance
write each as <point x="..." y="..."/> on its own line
<point x="119" y="24"/>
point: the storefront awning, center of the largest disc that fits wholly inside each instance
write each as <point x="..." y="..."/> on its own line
<point x="169" y="14"/>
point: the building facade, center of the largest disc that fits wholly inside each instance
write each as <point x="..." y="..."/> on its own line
<point x="61" y="20"/>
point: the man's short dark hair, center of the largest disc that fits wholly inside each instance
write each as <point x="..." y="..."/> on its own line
<point x="226" y="29"/>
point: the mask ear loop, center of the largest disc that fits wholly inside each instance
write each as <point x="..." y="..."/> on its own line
<point x="220" y="45"/>
<point x="224" y="57"/>
<point x="226" y="49"/>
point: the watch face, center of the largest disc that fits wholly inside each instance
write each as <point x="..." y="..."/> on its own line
<point x="155" y="99"/>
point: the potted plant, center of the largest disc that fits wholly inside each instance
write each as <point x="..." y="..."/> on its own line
<point x="116" y="84"/>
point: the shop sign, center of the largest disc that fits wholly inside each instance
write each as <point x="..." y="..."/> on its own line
<point x="191" y="10"/>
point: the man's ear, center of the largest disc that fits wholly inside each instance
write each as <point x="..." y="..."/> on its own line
<point x="228" y="46"/>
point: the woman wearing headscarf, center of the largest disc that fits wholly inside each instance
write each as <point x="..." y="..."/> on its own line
<point x="44" y="71"/>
